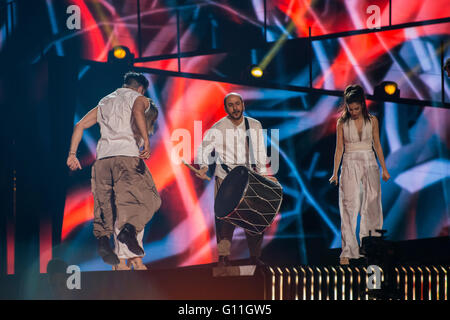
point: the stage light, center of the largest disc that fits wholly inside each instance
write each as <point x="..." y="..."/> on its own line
<point x="387" y="89"/>
<point x="390" y="88"/>
<point x="120" y="54"/>
<point x="256" y="72"/>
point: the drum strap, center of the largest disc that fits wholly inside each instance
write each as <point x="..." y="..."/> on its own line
<point x="224" y="166"/>
<point x="249" y="147"/>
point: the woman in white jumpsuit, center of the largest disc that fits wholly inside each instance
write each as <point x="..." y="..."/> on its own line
<point x="359" y="183"/>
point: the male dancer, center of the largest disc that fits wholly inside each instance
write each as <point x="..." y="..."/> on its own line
<point x="231" y="154"/>
<point x="121" y="183"/>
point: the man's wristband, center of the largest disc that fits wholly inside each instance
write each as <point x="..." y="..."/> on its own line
<point x="72" y="153"/>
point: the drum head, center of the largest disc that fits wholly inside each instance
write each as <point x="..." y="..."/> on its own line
<point x="231" y="191"/>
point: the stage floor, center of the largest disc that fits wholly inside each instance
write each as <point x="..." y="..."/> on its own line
<point x="207" y="282"/>
<point x="413" y="270"/>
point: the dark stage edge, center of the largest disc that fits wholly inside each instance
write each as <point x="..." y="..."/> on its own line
<point x="205" y="282"/>
<point x="200" y="282"/>
<point x="420" y="271"/>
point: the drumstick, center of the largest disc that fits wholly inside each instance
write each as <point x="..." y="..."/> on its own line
<point x="193" y="169"/>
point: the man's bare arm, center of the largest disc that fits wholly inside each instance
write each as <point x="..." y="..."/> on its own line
<point x="140" y="105"/>
<point x="86" y="122"/>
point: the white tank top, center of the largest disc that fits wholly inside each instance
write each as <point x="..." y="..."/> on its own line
<point x="114" y="118"/>
<point x="352" y="140"/>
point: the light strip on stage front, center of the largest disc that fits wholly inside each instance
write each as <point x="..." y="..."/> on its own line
<point x="289" y="282"/>
<point x="367" y="281"/>
<point x="281" y="283"/>
<point x="320" y="283"/>
<point x="351" y="282"/>
<point x="429" y="282"/>
<point x="328" y="283"/>
<point x="406" y="282"/>
<point x="414" y="283"/>
<point x="273" y="283"/>
<point x="445" y="283"/>
<point x="359" y="284"/>
<point x="312" y="283"/>
<point x="421" y="282"/>
<point x="343" y="283"/>
<point x="304" y="283"/>
<point x="397" y="272"/>
<point x="437" y="282"/>
<point x="296" y="283"/>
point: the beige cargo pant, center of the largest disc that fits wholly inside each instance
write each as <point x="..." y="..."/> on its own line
<point x="124" y="192"/>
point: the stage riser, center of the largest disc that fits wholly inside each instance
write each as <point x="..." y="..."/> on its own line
<point x="267" y="283"/>
<point x="349" y="283"/>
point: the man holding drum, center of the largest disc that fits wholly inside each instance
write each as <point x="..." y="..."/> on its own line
<point x="227" y="138"/>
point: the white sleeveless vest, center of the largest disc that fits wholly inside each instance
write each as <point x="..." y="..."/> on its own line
<point x="114" y="118"/>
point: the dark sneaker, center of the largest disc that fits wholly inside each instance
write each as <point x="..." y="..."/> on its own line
<point x="111" y="259"/>
<point x="128" y="236"/>
<point x="105" y="251"/>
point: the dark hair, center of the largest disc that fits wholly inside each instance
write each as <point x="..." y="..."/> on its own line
<point x="151" y="115"/>
<point x="231" y="94"/>
<point x="447" y="64"/>
<point x="354" y="93"/>
<point x="134" y="80"/>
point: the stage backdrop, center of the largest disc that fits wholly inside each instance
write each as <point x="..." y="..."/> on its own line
<point x="415" y="200"/>
<point x="232" y="35"/>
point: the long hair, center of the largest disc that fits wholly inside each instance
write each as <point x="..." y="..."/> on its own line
<point x="151" y="114"/>
<point x="354" y="93"/>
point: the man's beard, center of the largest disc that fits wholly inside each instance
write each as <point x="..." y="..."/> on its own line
<point x="237" y="116"/>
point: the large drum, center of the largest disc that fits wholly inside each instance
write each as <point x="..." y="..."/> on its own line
<point x="248" y="200"/>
